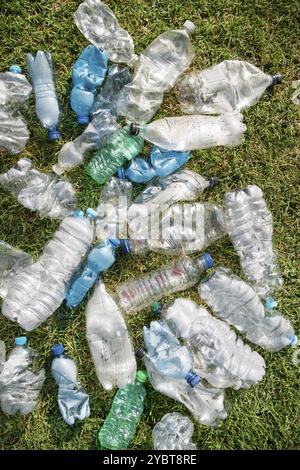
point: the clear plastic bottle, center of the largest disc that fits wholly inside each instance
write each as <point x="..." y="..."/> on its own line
<point x="232" y="85"/>
<point x="238" y="304"/>
<point x="99" y="259"/>
<point x="41" y="71"/>
<point x="19" y="384"/>
<point x="156" y="71"/>
<point x="98" y="24"/>
<point x="109" y="340"/>
<point x="219" y="356"/>
<point x="127" y="407"/>
<point x="50" y="196"/>
<point x="173" y="432"/>
<point x="73" y="401"/>
<point x="12" y="261"/>
<point x="179" y="275"/>
<point x="38" y="290"/>
<point x="185" y="133"/>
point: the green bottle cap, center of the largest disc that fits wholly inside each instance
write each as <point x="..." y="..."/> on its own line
<point x="141" y="376"/>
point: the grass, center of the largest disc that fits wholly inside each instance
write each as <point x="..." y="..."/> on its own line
<point x="261" y="32"/>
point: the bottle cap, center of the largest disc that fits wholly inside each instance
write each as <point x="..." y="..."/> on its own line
<point x="20" y="341"/>
<point x="192" y="379"/>
<point x="276" y="79"/>
<point x="270" y="303"/>
<point x="121" y="173"/>
<point x="114" y="242"/>
<point x="156" y="308"/>
<point x="15" y="69"/>
<point x="213" y="181"/>
<point x="189" y="26"/>
<point x="134" y="129"/>
<point x="78" y="213"/>
<point x="294" y="340"/>
<point x="58" y="169"/>
<point x="53" y="134"/>
<point x="141" y="376"/>
<point x="83" y="119"/>
<point x="57" y="349"/>
<point x="208" y="261"/>
<point x="126" y="246"/>
<point x="140" y="353"/>
<point x="91" y="213"/>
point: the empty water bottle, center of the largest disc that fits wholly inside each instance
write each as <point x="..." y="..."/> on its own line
<point x="38" y="290"/>
<point x="109" y="340"/>
<point x="219" y="356"/>
<point x="19" y="384"/>
<point x="98" y="260"/>
<point x="231" y="85"/>
<point x="88" y="73"/>
<point x="127" y="407"/>
<point x="179" y="275"/>
<point x="98" y="24"/>
<point x="238" y="304"/>
<point x="184" y="133"/>
<point x="73" y="401"/>
<point x="173" y="432"/>
<point x="117" y="149"/>
<point x="37" y="191"/>
<point x="41" y="71"/>
<point x="12" y="261"/>
<point x="156" y="71"/>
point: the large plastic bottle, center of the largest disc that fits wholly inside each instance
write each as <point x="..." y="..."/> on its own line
<point x="118" y="148"/>
<point x="136" y="294"/>
<point x="73" y="401"/>
<point x="235" y="301"/>
<point x="87" y="74"/>
<point x="99" y="259"/>
<point x="109" y="340"/>
<point x="156" y="71"/>
<point x="127" y="407"/>
<point x="41" y="71"/>
<point x="19" y="385"/>
<point x="219" y="356"/>
<point x="232" y="85"/>
<point x="38" y="290"/>
<point x="12" y="261"/>
<point x="173" y="432"/>
<point x="185" y="133"/>
<point x="50" y="196"/>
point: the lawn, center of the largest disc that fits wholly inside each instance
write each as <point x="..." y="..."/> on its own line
<point x="262" y="32"/>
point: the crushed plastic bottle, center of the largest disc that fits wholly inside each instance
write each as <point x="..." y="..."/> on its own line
<point x="88" y="73"/>
<point x="109" y="340"/>
<point x="173" y="432"/>
<point x="12" y="261"/>
<point x="119" y="147"/>
<point x="40" y="192"/>
<point x="99" y="259"/>
<point x="30" y="300"/>
<point x="41" y="71"/>
<point x="73" y="401"/>
<point x="127" y="407"/>
<point x="19" y="384"/>
<point x="219" y="356"/>
<point x="184" y="272"/>
<point x="156" y="71"/>
<point x="232" y="85"/>
<point x="235" y="302"/>
<point x="185" y="133"/>
<point x="14" y="92"/>
<point x="98" y="24"/>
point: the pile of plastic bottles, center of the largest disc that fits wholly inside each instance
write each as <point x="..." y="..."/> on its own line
<point x="191" y="351"/>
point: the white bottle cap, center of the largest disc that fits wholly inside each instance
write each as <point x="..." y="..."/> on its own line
<point x="189" y="26"/>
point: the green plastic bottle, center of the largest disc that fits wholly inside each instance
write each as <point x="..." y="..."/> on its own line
<point x="119" y="147"/>
<point x="127" y="407"/>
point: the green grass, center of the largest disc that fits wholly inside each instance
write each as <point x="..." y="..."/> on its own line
<point x="262" y="32"/>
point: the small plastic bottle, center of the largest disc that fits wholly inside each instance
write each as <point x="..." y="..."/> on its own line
<point x="173" y="432"/>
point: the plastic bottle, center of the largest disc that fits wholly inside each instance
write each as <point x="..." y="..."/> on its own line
<point x="98" y="24"/>
<point x="109" y="340"/>
<point x="219" y="356"/>
<point x="99" y="259"/>
<point x="156" y="72"/>
<point x="185" y="133"/>
<point x="12" y="261"/>
<point x="127" y="407"/>
<point x="87" y="74"/>
<point x="232" y="85"/>
<point x="238" y="304"/>
<point x="41" y="71"/>
<point x="119" y="147"/>
<point x="51" y="197"/>
<point x="38" y="290"/>
<point x="19" y="385"/>
<point x="2" y="354"/>
<point x="179" y="275"/>
<point x="173" y="432"/>
<point x="73" y="401"/>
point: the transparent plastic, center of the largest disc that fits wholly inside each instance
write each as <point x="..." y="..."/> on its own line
<point x="173" y="432"/>
<point x="12" y="261"/>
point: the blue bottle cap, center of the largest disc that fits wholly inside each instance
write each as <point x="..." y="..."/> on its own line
<point x="126" y="246"/>
<point x="114" y="242"/>
<point x="15" y="69"/>
<point x="121" y="173"/>
<point x="53" y="134"/>
<point x="83" y="119"/>
<point x="270" y="303"/>
<point x="20" y="341"/>
<point x="208" y="261"/>
<point x="192" y="379"/>
<point x="57" y="349"/>
<point x="78" y="213"/>
<point x="294" y="341"/>
<point x="91" y="213"/>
